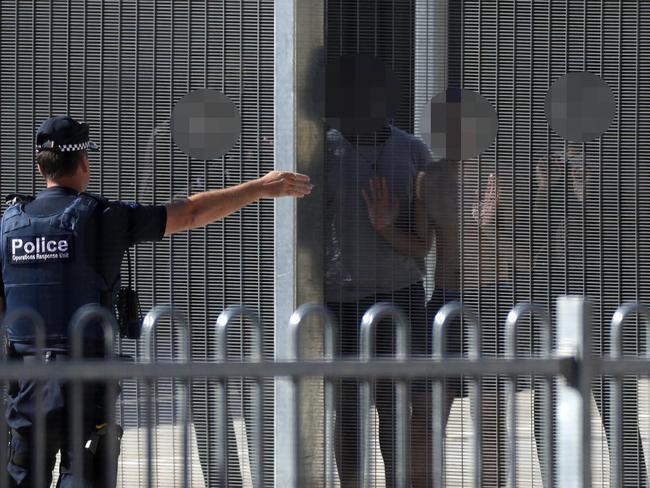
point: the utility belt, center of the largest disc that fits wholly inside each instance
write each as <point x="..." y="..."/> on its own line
<point x="101" y="442"/>
<point x="27" y="352"/>
<point x="48" y="356"/>
<point x="100" y="454"/>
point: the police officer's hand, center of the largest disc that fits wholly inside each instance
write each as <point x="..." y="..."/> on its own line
<point x="284" y="184"/>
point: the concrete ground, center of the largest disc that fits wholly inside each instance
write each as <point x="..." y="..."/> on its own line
<point x="168" y="462"/>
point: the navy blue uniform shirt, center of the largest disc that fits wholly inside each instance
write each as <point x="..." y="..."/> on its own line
<point x="120" y="225"/>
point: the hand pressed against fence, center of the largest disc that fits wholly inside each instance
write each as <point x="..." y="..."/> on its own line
<point x="383" y="207"/>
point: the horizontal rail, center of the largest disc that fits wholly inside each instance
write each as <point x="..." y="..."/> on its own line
<point x="621" y="367"/>
<point x="445" y="368"/>
<point x="435" y="368"/>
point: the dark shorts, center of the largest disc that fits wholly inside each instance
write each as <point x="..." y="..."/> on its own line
<point x="348" y="315"/>
<point x="410" y="300"/>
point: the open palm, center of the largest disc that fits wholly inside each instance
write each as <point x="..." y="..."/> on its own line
<point x="383" y="208"/>
<point x="485" y="210"/>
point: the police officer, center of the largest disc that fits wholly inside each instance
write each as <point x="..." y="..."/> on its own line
<point x="62" y="250"/>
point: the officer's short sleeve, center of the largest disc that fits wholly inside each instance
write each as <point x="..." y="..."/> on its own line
<point x="136" y="222"/>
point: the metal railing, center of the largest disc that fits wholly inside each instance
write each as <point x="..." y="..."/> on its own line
<point x="573" y="364"/>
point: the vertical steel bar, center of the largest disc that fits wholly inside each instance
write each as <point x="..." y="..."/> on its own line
<point x="222" y="426"/>
<point x="81" y="319"/>
<point x="585" y="379"/>
<point x="574" y="405"/>
<point x="330" y="409"/>
<point x="38" y="326"/>
<point x="476" y="401"/>
<point x="548" y="473"/>
<point x="441" y="321"/>
<point x="511" y="353"/>
<point x="367" y="400"/>
<point x="296" y="321"/>
<point x="258" y="436"/>
<point x="148" y="356"/>
<point x="185" y="408"/>
<point x="223" y="322"/>
<point x="149" y="437"/>
<point x="367" y="339"/>
<point x="616" y="407"/>
<point x="151" y="320"/>
<point x="512" y="323"/>
<point x="186" y="432"/>
<point x="369" y="323"/>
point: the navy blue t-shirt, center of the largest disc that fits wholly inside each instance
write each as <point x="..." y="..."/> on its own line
<point x="119" y="225"/>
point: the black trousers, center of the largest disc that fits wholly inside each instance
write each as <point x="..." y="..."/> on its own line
<point x="100" y="467"/>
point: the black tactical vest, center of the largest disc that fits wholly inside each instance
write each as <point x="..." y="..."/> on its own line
<point x="45" y="266"/>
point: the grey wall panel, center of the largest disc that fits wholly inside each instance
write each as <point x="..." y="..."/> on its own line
<point x="121" y="67"/>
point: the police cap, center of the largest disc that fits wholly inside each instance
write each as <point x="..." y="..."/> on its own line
<point x="64" y="134"/>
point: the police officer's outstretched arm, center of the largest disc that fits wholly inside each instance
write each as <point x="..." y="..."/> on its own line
<point x="203" y="208"/>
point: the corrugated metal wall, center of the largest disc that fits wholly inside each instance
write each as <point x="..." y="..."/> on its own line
<point x="121" y="66"/>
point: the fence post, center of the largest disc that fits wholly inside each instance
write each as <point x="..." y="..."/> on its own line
<point x="369" y="324"/>
<point x="512" y="323"/>
<point x="574" y="399"/>
<point x="150" y="323"/>
<point x="441" y="322"/>
<point x="616" y="406"/>
<point x="296" y="322"/>
<point x="223" y="323"/>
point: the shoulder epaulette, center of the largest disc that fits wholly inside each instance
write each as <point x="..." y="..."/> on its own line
<point x="94" y="196"/>
<point x="14" y="198"/>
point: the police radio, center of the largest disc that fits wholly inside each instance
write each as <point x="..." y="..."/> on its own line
<point x="127" y="308"/>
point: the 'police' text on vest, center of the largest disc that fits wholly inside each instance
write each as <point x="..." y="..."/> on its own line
<point x="40" y="249"/>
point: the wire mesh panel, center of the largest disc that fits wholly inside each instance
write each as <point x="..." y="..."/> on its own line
<point x="571" y="216"/>
<point x="369" y="49"/>
<point x="122" y="67"/>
